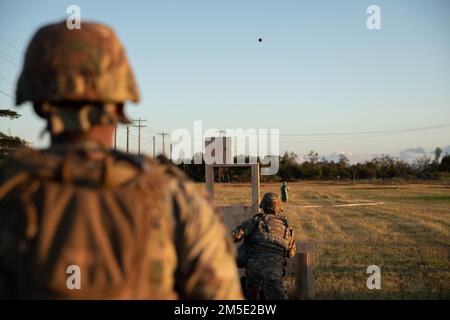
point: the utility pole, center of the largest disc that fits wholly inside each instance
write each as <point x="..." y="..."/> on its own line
<point x="170" y="154"/>
<point x="223" y="148"/>
<point x="139" y="126"/>
<point x="163" y="134"/>
<point x="128" y="137"/>
<point x="115" y="138"/>
<point x="154" y="146"/>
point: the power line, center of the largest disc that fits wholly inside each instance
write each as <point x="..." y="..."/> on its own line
<point x="152" y="130"/>
<point x="386" y="133"/>
<point x="6" y="94"/>
<point x="12" y="58"/>
<point x="6" y="80"/>
<point x="337" y="139"/>
<point x="367" y="132"/>
<point x="10" y="44"/>
<point x="132" y="136"/>
<point x="10" y="62"/>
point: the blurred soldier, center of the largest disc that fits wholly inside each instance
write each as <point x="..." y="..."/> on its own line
<point x="284" y="192"/>
<point x="79" y="220"/>
<point x="267" y="241"/>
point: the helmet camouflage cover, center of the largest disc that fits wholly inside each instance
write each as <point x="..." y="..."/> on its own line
<point x="271" y="203"/>
<point x="83" y="71"/>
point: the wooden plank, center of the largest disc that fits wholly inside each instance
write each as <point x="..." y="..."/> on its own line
<point x="304" y="282"/>
<point x="237" y="165"/>
<point x="255" y="186"/>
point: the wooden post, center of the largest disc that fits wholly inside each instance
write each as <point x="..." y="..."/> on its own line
<point x="304" y="273"/>
<point x="209" y="179"/>
<point x="255" y="186"/>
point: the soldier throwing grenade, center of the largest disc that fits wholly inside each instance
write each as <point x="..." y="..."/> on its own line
<point x="267" y="241"/>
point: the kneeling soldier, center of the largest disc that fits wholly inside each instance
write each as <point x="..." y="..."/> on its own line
<point x="267" y="241"/>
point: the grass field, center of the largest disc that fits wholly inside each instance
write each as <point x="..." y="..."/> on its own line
<point x="408" y="236"/>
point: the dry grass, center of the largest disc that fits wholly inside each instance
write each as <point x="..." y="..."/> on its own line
<point x="408" y="237"/>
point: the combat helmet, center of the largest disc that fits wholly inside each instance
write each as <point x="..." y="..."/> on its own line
<point x="65" y="70"/>
<point x="271" y="203"/>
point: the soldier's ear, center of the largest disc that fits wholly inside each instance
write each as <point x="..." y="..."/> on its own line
<point x="38" y="109"/>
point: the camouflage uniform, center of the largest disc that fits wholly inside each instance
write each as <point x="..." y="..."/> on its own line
<point x="138" y="229"/>
<point x="267" y="241"/>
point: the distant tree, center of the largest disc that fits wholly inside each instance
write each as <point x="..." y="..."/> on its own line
<point x="343" y="167"/>
<point x="403" y="169"/>
<point x="422" y="166"/>
<point x="329" y="170"/>
<point x="437" y="155"/>
<point x="9" y="143"/>
<point x="343" y="160"/>
<point x="8" y="113"/>
<point x="445" y="163"/>
<point x="289" y="168"/>
<point x="385" y="166"/>
<point x="312" y="156"/>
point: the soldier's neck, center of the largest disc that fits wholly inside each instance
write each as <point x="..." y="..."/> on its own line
<point x="101" y="135"/>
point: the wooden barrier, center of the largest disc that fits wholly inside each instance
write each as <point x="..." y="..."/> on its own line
<point x="301" y="267"/>
<point x="304" y="273"/>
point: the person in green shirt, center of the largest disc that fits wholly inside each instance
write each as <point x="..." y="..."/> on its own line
<point x="284" y="192"/>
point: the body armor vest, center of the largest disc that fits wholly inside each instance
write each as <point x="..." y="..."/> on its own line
<point x="271" y="231"/>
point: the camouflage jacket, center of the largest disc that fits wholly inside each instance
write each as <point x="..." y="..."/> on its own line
<point x="267" y="234"/>
<point x="137" y="229"/>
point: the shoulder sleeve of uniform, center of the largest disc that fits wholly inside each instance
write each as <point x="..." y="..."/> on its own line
<point x="170" y="168"/>
<point x="9" y="164"/>
<point x="207" y="266"/>
<point x="249" y="225"/>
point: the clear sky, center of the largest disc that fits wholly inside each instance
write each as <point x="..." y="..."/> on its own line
<point x="317" y="70"/>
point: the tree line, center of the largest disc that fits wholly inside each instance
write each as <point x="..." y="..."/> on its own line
<point x="9" y="142"/>
<point x="316" y="168"/>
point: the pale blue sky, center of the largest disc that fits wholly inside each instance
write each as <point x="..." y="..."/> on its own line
<point x="317" y="70"/>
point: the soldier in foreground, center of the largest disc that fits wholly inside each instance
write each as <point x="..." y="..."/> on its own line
<point x="129" y="226"/>
<point x="267" y="241"/>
